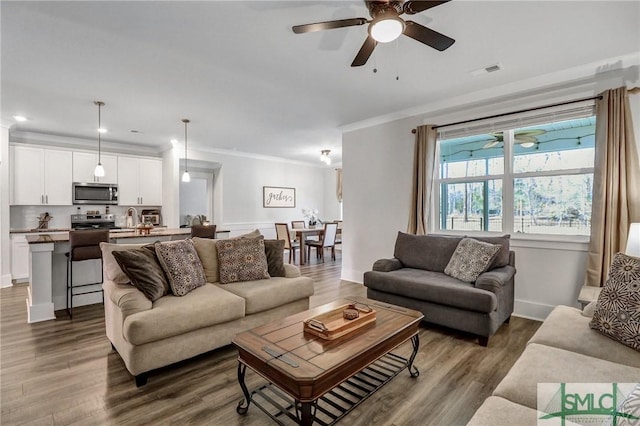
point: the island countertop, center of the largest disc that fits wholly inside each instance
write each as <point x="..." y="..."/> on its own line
<point x="43" y="238"/>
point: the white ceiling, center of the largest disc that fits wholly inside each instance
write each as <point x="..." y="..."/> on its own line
<point x="248" y="83"/>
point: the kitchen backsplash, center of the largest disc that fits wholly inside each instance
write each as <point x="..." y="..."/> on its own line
<point x="26" y="217"/>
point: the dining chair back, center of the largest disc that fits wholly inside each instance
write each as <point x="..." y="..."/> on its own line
<point x="203" y="231"/>
<point x="297" y="224"/>
<point x="282" y="233"/>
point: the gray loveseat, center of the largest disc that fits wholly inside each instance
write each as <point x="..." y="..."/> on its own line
<point x="415" y="278"/>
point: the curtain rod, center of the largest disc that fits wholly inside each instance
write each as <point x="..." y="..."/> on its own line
<point x="513" y="112"/>
<point x="633" y="90"/>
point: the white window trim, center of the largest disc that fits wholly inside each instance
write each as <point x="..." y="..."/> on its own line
<point x="533" y="240"/>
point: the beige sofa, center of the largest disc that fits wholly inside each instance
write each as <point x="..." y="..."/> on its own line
<point x="563" y="350"/>
<point x="150" y="335"/>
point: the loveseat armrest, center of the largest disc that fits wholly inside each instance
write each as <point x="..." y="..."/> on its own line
<point x="387" y="265"/>
<point x="496" y="278"/>
<point x="126" y="297"/>
<point x="291" y="271"/>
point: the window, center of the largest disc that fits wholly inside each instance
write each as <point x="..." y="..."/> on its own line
<point x="535" y="179"/>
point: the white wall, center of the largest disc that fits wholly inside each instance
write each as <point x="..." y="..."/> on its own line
<point x="238" y="190"/>
<point x="331" y="210"/>
<point x="377" y="163"/>
<point x="5" y="242"/>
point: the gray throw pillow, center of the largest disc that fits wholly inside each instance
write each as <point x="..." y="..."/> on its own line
<point x="141" y="266"/>
<point x="242" y="259"/>
<point x="274" y="250"/>
<point x="617" y="313"/>
<point x="470" y="259"/>
<point x="181" y="264"/>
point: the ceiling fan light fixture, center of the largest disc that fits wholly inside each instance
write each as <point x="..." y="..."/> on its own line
<point x="386" y="28"/>
<point x="324" y="156"/>
<point x="527" y="144"/>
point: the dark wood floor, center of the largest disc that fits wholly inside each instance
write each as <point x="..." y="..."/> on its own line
<point x="64" y="372"/>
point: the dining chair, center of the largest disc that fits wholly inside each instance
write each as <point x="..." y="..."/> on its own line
<point x="328" y="240"/>
<point x="203" y="231"/>
<point x="282" y="233"/>
<point x="339" y="232"/>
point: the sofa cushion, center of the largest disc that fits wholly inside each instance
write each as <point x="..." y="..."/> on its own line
<point x="112" y="270"/>
<point x="145" y="272"/>
<point x="566" y="328"/>
<point x="502" y="258"/>
<point x="208" y="254"/>
<point x="181" y="263"/>
<point x="470" y="259"/>
<point x="546" y="364"/>
<point x="429" y="252"/>
<point x="496" y="411"/>
<point x="433" y="287"/>
<point x="262" y="295"/>
<point x="274" y="249"/>
<point x="242" y="259"/>
<point x="171" y="315"/>
<point x="617" y="313"/>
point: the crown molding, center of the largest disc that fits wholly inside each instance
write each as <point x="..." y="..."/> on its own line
<point x="587" y="79"/>
<point x="73" y="142"/>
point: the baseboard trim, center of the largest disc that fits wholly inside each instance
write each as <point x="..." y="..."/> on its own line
<point x="352" y="275"/>
<point x="532" y="310"/>
<point x="5" y="281"/>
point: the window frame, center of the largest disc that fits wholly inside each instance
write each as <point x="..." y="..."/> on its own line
<point x="508" y="191"/>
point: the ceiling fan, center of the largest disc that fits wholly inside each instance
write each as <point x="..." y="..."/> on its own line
<point x="526" y="138"/>
<point x="386" y="25"/>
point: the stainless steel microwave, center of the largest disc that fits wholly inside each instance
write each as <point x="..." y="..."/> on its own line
<point x="95" y="193"/>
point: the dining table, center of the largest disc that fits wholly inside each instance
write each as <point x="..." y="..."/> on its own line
<point x="301" y="235"/>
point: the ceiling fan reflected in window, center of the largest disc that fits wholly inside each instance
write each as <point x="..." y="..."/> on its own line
<point x="525" y="138"/>
<point x="386" y="25"/>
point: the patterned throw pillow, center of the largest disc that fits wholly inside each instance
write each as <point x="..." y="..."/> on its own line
<point x="471" y="258"/>
<point x="617" y="313"/>
<point x="181" y="264"/>
<point x="242" y="259"/>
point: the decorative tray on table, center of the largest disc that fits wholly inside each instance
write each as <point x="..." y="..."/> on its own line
<point x="340" y="321"/>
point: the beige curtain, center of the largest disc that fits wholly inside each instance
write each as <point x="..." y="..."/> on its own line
<point x="616" y="184"/>
<point x="423" y="177"/>
<point x="339" y="184"/>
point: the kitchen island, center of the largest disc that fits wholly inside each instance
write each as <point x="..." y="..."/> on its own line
<point x="48" y="267"/>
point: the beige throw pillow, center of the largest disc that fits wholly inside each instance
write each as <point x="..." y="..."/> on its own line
<point x="242" y="259"/>
<point x="208" y="254"/>
<point x="471" y="258"/>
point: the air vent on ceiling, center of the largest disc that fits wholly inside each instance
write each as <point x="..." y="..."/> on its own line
<point x="486" y="70"/>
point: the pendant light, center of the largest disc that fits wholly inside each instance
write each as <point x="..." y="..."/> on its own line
<point x="324" y="156"/>
<point x="99" y="170"/>
<point x="185" y="175"/>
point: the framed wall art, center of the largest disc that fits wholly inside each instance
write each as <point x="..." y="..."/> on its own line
<point x="275" y="196"/>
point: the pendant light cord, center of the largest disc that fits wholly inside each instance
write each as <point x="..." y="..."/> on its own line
<point x="99" y="129"/>
<point x="186" y="168"/>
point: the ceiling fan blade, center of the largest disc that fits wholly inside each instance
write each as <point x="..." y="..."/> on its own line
<point x="413" y="7"/>
<point x="329" y="25"/>
<point x="427" y="36"/>
<point x="365" y="51"/>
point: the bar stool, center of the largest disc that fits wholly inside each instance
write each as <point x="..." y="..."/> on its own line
<point x="83" y="245"/>
<point x="203" y="231"/>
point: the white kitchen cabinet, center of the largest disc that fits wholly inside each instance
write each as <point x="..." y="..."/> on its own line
<point x="19" y="257"/>
<point x="139" y="181"/>
<point x="84" y="164"/>
<point x="41" y="176"/>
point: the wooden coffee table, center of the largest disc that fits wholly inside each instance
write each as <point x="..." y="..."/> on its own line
<point x="316" y="380"/>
